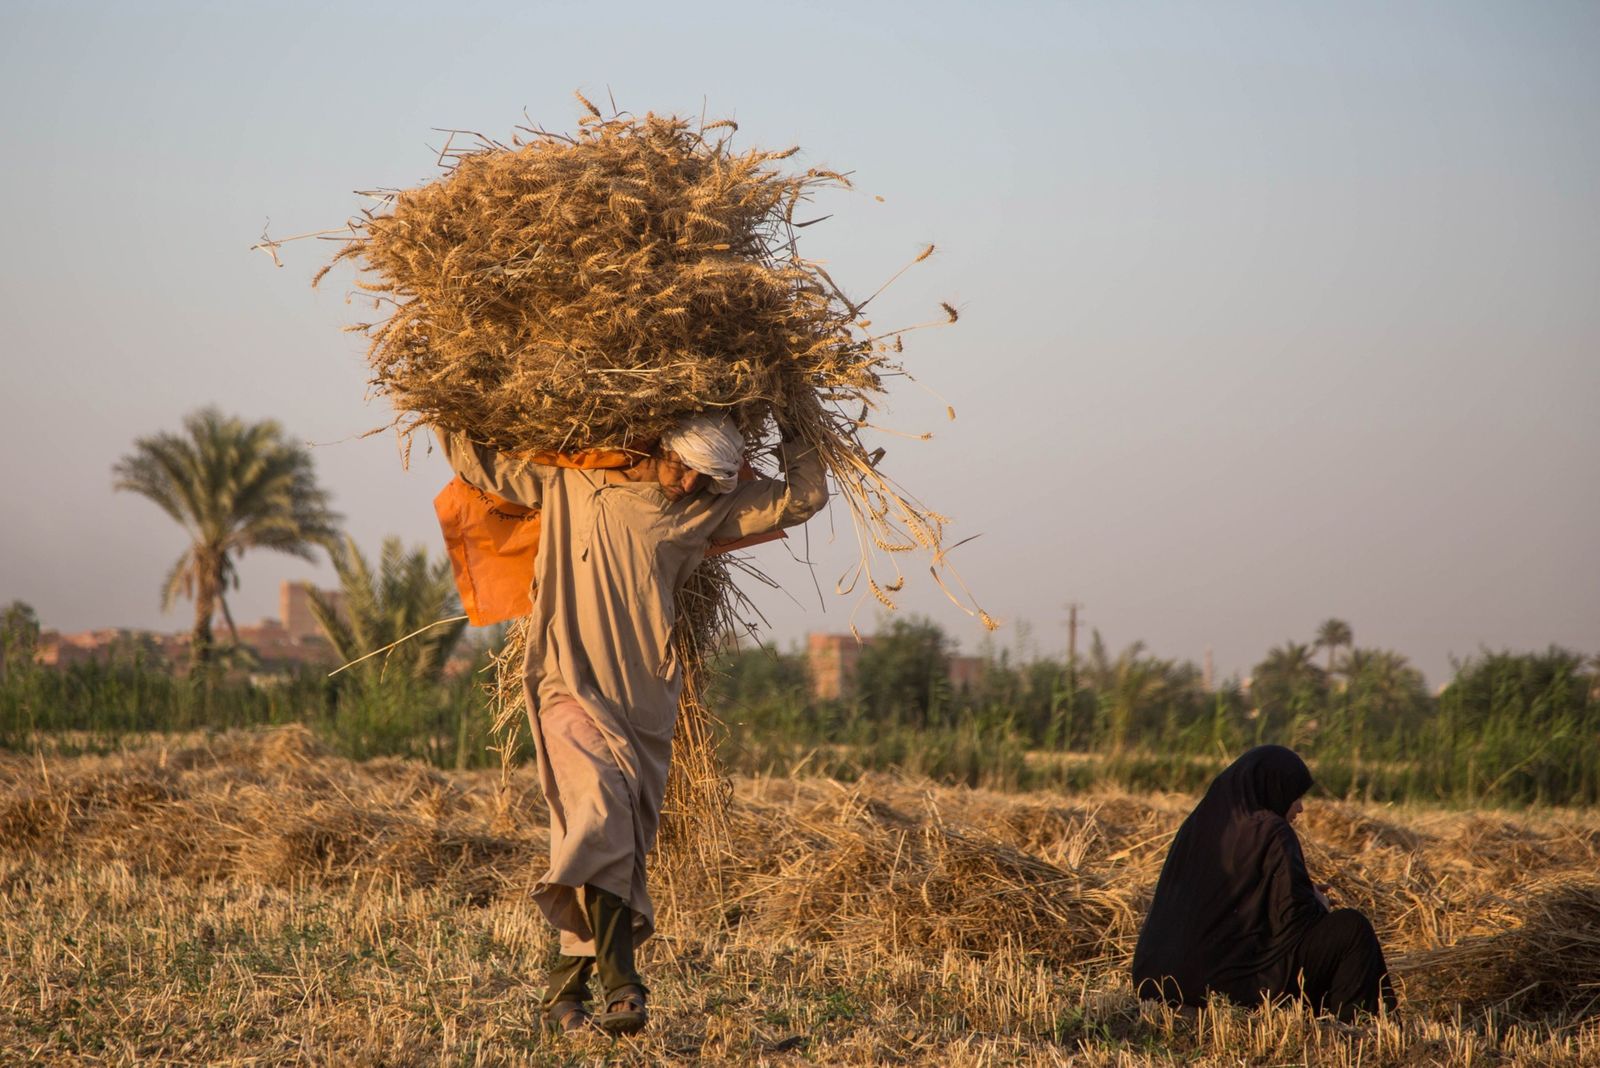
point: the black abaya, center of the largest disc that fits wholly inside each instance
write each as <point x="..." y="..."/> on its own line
<point x="1340" y="968"/>
<point x="1235" y="911"/>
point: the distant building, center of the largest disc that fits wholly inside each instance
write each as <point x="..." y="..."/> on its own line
<point x="294" y="609"/>
<point x="292" y="640"/>
<point x="831" y="661"/>
<point x="110" y="645"/>
<point x="965" y="672"/>
<point x="276" y="647"/>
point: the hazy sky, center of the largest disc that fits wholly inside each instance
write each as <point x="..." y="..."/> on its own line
<point x="1270" y="311"/>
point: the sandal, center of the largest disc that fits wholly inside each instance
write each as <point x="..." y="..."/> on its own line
<point x="625" y="1011"/>
<point x="568" y="1017"/>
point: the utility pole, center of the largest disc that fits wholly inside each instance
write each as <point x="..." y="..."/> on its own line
<point x="1065" y="708"/>
<point x="1072" y="645"/>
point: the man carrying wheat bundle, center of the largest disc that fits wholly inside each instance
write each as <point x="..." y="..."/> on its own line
<point x="601" y="328"/>
<point x="602" y="677"/>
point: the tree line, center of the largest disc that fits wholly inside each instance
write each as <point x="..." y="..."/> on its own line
<point x="1509" y="727"/>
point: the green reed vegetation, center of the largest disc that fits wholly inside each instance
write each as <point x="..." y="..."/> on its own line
<point x="98" y="707"/>
<point x="1509" y="729"/>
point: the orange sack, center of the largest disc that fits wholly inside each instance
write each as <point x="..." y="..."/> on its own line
<point x="492" y="543"/>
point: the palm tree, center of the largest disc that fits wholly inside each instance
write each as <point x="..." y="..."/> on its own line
<point x="19" y="636"/>
<point x="406" y="593"/>
<point x="1385" y="687"/>
<point x="1331" y="635"/>
<point x="1288" y="680"/>
<point x="1126" y="685"/>
<point x="233" y="486"/>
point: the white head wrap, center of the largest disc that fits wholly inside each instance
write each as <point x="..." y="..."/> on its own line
<point x="712" y="445"/>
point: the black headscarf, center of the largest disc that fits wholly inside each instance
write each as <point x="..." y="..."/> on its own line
<point x="1234" y="898"/>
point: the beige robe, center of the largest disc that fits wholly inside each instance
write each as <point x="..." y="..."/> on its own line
<point x="611" y="557"/>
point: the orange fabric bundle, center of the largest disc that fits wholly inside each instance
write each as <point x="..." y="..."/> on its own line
<point x="492" y="543"/>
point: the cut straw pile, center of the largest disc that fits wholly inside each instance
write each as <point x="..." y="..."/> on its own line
<point x="589" y="290"/>
<point x="1539" y="954"/>
<point x="878" y="873"/>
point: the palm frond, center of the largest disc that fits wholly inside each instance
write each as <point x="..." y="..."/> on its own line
<point x="403" y="594"/>
<point x="179" y="581"/>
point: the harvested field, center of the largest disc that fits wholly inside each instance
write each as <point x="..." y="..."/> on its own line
<point x="251" y="899"/>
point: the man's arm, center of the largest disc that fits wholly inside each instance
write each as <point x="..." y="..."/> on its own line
<point x="518" y="481"/>
<point x="769" y="504"/>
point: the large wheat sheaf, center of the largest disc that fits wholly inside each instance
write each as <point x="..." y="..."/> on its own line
<point x="566" y="292"/>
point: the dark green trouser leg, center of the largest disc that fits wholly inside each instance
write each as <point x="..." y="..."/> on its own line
<point x="612" y="921"/>
<point x="569" y="980"/>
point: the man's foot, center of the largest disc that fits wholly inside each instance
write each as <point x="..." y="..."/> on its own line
<point x="625" y="1011"/>
<point x="568" y="1017"/>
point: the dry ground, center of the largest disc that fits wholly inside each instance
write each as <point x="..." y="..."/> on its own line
<point x="252" y="900"/>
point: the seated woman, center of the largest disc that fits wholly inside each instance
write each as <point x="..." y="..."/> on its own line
<point x="1235" y="912"/>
